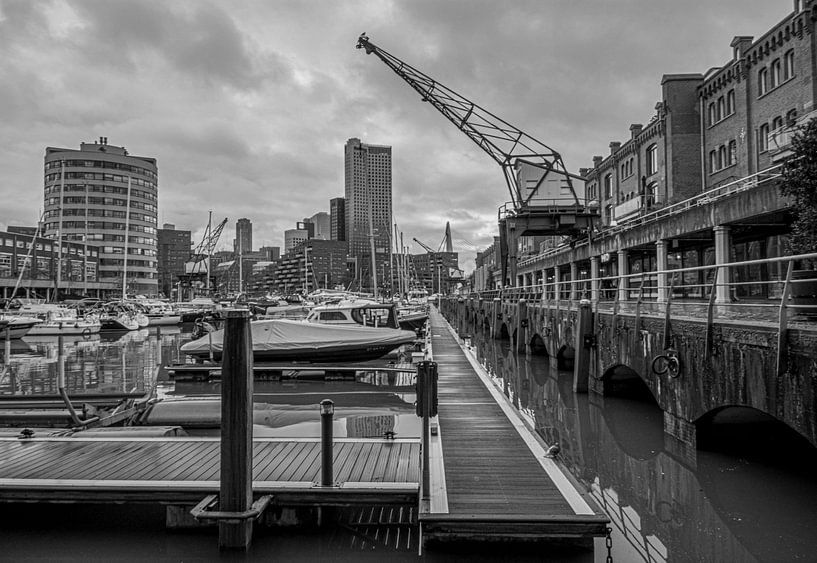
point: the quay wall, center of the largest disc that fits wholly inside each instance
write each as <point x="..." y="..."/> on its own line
<point x="740" y="370"/>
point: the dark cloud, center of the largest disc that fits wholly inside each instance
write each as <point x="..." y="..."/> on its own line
<point x="247" y="104"/>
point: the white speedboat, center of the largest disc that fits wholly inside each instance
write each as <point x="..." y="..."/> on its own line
<point x="285" y="340"/>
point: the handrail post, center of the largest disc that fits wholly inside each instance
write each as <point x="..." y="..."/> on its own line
<point x="235" y="493"/>
<point x="327" y="407"/>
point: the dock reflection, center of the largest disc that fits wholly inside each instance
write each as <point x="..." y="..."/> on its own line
<point x="715" y="507"/>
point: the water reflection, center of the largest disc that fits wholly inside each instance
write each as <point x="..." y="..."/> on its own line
<point x="745" y="506"/>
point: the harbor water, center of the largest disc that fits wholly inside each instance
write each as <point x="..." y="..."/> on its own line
<point x="746" y="495"/>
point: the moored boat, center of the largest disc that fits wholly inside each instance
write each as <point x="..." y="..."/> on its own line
<point x="286" y="340"/>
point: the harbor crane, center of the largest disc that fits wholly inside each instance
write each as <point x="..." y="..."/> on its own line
<point x="199" y="264"/>
<point x="544" y="199"/>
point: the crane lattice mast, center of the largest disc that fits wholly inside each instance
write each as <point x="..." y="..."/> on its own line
<point x="535" y="173"/>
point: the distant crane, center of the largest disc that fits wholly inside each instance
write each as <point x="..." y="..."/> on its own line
<point x="543" y="198"/>
<point x="434" y="254"/>
<point x="200" y="258"/>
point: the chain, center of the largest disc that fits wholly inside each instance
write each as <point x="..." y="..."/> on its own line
<point x="608" y="541"/>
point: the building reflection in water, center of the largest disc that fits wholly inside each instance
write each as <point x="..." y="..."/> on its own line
<point x="745" y="505"/>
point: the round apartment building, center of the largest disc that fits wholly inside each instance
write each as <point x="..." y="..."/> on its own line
<point x="87" y="193"/>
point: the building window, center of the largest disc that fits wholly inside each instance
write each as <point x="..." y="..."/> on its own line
<point x="791" y="117"/>
<point x="652" y="159"/>
<point x="608" y="186"/>
<point x="721" y="108"/>
<point x="713" y="161"/>
<point x="652" y="190"/>
<point x="722" y="157"/>
<point x="788" y="65"/>
<point x="730" y="102"/>
<point x="712" y="116"/>
<point x="733" y="152"/>
<point x="762" y="81"/>
<point x="777" y="123"/>
<point x="763" y="138"/>
<point x="775" y="73"/>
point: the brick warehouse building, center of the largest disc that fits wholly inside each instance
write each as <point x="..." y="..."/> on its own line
<point x="725" y="130"/>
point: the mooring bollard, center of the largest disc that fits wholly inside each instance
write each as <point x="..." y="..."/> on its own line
<point x="583" y="344"/>
<point x="327" y="414"/>
<point x="236" y="429"/>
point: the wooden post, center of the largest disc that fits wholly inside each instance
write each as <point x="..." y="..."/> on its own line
<point x="583" y="347"/>
<point x="236" y="429"/>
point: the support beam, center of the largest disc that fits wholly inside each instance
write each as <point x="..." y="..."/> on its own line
<point x="723" y="242"/>
<point x="623" y="270"/>
<point x="661" y="264"/>
<point x="594" y="275"/>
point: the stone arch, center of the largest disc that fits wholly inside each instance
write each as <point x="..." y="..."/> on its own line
<point x="742" y="429"/>
<point x="538" y="347"/>
<point x="565" y="356"/>
<point x="620" y="380"/>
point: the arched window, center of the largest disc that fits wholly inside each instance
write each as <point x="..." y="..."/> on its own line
<point x="730" y="102"/>
<point x="791" y="117"/>
<point x="788" y="64"/>
<point x="721" y="108"/>
<point x="712" y="116"/>
<point x="608" y="186"/>
<point x="722" y="157"/>
<point x="713" y="161"/>
<point x="762" y="81"/>
<point x="652" y="159"/>
<point x="777" y="123"/>
<point x="733" y="152"/>
<point x="775" y="73"/>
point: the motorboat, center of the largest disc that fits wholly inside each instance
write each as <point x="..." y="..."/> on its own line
<point x="196" y="308"/>
<point x="158" y="313"/>
<point x="355" y="313"/>
<point x="368" y="313"/>
<point x="16" y="326"/>
<point x="115" y="316"/>
<point x="288" y="340"/>
<point x="54" y="319"/>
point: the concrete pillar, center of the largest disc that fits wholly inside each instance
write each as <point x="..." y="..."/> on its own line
<point x="723" y="242"/>
<point x="557" y="280"/>
<point x="661" y="263"/>
<point x="583" y="347"/>
<point x="595" y="284"/>
<point x="574" y="287"/>
<point x="496" y="318"/>
<point x="623" y="270"/>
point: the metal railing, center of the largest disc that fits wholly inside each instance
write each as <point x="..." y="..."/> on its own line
<point x="749" y="285"/>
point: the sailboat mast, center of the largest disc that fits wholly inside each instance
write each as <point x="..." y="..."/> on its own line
<point x="209" y="256"/>
<point x="59" y="232"/>
<point x="125" y="249"/>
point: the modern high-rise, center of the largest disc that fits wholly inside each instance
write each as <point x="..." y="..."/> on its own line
<point x="174" y="248"/>
<point x="294" y="237"/>
<point x="243" y="236"/>
<point x="320" y="222"/>
<point x="337" y="218"/>
<point x="106" y="197"/>
<point x="368" y="208"/>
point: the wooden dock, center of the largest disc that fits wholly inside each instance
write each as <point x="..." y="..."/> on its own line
<point x="490" y="478"/>
<point x="184" y="469"/>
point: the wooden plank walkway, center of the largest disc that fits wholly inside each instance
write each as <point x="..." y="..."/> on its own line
<point x="184" y="469"/>
<point x="493" y="485"/>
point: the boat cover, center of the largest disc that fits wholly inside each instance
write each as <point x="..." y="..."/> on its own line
<point x="288" y="336"/>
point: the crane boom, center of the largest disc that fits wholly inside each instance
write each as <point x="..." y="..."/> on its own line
<point x="535" y="174"/>
<point x="507" y="145"/>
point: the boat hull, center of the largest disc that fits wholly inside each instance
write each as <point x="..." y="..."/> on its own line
<point x="282" y="340"/>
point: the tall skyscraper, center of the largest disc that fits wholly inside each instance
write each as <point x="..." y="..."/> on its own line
<point x="368" y="207"/>
<point x="102" y="195"/>
<point x="243" y="236"/>
<point x="337" y="218"/>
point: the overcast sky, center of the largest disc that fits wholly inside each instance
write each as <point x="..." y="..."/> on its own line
<point x="246" y="105"/>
